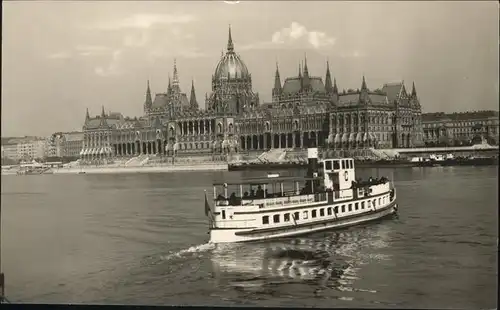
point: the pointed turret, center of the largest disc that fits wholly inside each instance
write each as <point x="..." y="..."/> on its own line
<point x="413" y="91"/>
<point x="306" y="83"/>
<point x="335" y="89"/>
<point x="363" y="95"/>
<point x="175" y="81"/>
<point x="103" y="118"/>
<point x="169" y="87"/>
<point x="149" y="101"/>
<point x="328" y="79"/>
<point x="192" y="100"/>
<point x="87" y="115"/>
<point x="363" y="84"/>
<point x="277" y="83"/>
<point x="230" y="45"/>
<point x="306" y="71"/>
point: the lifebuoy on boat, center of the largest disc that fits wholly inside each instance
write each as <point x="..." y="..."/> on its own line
<point x="225" y="185"/>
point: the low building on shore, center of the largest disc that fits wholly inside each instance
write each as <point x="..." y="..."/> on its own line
<point x="464" y="128"/>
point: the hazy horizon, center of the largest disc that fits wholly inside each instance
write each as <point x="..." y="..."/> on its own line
<point x="59" y="58"/>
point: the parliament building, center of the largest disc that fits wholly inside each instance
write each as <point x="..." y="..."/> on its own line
<point x="304" y="110"/>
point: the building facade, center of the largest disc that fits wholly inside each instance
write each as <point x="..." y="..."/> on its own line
<point x="10" y="151"/>
<point x="460" y="128"/>
<point x="303" y="109"/>
<point x="65" y="144"/>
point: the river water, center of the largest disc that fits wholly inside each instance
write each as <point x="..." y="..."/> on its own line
<point x="141" y="239"/>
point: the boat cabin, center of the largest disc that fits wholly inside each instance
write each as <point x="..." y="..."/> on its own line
<point x="339" y="174"/>
<point x="247" y="192"/>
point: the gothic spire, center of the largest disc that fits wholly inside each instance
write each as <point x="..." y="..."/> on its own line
<point x="149" y="101"/>
<point x="169" y="87"/>
<point x="277" y="79"/>
<point x="306" y="71"/>
<point x="277" y="82"/>
<point x="87" y="115"/>
<point x="176" y="76"/>
<point x="413" y="91"/>
<point x="363" y="84"/>
<point x="328" y="79"/>
<point x="335" y="90"/>
<point x="192" y="100"/>
<point x="300" y="71"/>
<point x="103" y="118"/>
<point x="230" y="46"/>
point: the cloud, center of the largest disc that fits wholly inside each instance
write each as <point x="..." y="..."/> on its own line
<point x="93" y="50"/>
<point x="231" y="2"/>
<point x="169" y="52"/>
<point x="295" y="36"/>
<point x="113" y="68"/>
<point x="138" y="39"/>
<point x="352" y="54"/>
<point x="60" y="55"/>
<point x="145" y="21"/>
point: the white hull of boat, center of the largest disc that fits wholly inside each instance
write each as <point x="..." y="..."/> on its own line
<point x="242" y="235"/>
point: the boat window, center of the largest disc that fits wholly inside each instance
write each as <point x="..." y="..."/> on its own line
<point x="374" y="200"/>
<point x="356" y="206"/>
<point x="343" y="164"/>
<point x="305" y="215"/>
<point x="368" y="203"/>
<point x="352" y="163"/>
<point x="329" y="211"/>
<point x="336" y="210"/>
<point x="328" y="164"/>
<point x="313" y="213"/>
<point x="265" y="219"/>
<point x="343" y="208"/>
<point x="379" y="201"/>
<point x="336" y="165"/>
<point x="286" y="217"/>
<point x="223" y="214"/>
<point x="276" y="218"/>
<point x="321" y="212"/>
<point x="362" y="205"/>
<point x="296" y="215"/>
<point x="350" y="207"/>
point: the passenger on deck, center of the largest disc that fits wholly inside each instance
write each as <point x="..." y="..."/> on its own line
<point x="266" y="194"/>
<point x="252" y="194"/>
<point x="245" y="195"/>
<point x="260" y="192"/>
<point x="232" y="199"/>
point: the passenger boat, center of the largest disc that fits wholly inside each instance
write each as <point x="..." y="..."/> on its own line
<point x="330" y="198"/>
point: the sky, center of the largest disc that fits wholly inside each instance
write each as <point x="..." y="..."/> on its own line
<point x="60" y="58"/>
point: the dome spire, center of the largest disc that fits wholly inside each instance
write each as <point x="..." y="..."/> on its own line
<point x="230" y="46"/>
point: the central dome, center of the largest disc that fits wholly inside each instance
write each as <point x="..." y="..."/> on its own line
<point x="231" y="66"/>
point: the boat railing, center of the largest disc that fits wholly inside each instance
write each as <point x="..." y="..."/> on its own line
<point x="288" y="200"/>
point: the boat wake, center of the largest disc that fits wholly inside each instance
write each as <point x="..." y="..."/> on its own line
<point x="325" y="261"/>
<point x="191" y="250"/>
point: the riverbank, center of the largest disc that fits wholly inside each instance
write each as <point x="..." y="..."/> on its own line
<point x="143" y="169"/>
<point x="167" y="168"/>
<point x="383" y="163"/>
